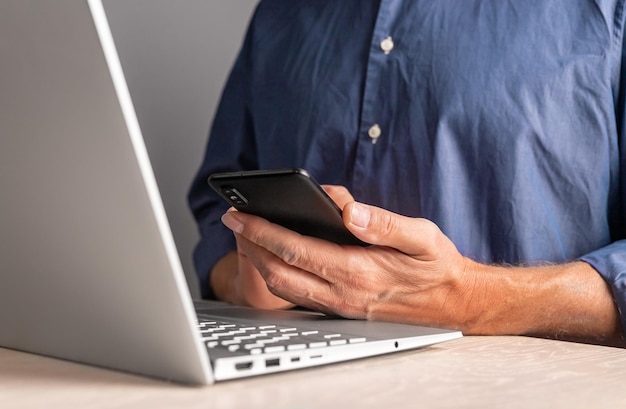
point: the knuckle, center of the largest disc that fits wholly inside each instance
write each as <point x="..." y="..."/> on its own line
<point x="293" y="254"/>
<point x="275" y="291"/>
<point x="273" y="279"/>
<point x="348" y="302"/>
<point x="307" y="293"/>
<point x="387" y="224"/>
<point x="429" y="231"/>
<point x="274" y="282"/>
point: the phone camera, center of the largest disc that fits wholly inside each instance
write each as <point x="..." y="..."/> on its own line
<point x="233" y="196"/>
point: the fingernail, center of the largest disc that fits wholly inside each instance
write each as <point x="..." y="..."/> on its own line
<point x="360" y="215"/>
<point x="232" y="222"/>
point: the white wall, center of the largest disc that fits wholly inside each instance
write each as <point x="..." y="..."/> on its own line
<point x="176" y="55"/>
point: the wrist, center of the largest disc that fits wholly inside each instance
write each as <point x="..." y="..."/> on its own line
<point x="508" y="300"/>
<point x="476" y="300"/>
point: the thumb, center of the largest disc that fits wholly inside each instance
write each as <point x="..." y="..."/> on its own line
<point x="374" y="225"/>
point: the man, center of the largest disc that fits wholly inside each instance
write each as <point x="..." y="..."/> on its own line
<point x="480" y="138"/>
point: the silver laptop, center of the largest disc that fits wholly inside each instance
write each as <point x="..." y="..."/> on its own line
<point x="89" y="269"/>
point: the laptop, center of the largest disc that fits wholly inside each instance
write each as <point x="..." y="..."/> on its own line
<point x="90" y="271"/>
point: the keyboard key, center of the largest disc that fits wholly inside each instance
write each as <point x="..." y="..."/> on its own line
<point x="276" y="348"/>
<point x="250" y="347"/>
<point x="244" y="337"/>
<point x="210" y="338"/>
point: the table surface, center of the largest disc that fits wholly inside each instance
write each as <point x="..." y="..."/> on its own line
<point x="502" y="372"/>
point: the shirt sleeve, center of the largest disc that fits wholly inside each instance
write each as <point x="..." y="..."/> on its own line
<point x="230" y="147"/>
<point x="610" y="261"/>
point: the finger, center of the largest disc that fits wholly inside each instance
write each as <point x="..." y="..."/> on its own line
<point x="320" y="257"/>
<point x="285" y="281"/>
<point x="250" y="285"/>
<point x="412" y="236"/>
<point x="340" y="195"/>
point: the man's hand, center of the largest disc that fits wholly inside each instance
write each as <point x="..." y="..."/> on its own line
<point x="413" y="273"/>
<point x="234" y="279"/>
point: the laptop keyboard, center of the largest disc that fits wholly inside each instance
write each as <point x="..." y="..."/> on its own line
<point x="251" y="339"/>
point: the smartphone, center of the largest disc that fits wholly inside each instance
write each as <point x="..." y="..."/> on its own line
<point x="288" y="197"/>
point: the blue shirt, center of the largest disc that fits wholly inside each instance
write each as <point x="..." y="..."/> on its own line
<point x="501" y="121"/>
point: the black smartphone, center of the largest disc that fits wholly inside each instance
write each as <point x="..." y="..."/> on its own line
<point x="288" y="197"/>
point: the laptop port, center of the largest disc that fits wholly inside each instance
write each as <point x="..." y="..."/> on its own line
<point x="241" y="366"/>
<point x="272" y="362"/>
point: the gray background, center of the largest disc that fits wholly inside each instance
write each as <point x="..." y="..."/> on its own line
<point x="176" y="55"/>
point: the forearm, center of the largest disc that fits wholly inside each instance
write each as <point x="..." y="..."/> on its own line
<point x="567" y="301"/>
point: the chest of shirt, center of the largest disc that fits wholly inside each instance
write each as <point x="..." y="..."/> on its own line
<point x="331" y="63"/>
<point x="446" y="90"/>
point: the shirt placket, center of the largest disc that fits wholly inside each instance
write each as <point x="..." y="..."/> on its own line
<point x="373" y="126"/>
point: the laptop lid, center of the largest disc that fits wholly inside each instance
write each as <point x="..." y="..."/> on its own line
<point x="90" y="272"/>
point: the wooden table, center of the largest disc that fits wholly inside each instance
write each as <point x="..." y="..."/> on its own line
<point x="480" y="372"/>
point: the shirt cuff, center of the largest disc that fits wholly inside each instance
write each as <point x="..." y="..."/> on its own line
<point x="610" y="262"/>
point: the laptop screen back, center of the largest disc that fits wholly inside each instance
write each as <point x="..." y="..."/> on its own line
<point x="89" y="268"/>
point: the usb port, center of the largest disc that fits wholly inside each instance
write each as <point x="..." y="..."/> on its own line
<point x="272" y="362"/>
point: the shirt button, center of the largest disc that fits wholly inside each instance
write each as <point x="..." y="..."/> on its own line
<point x="374" y="132"/>
<point x="386" y="45"/>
